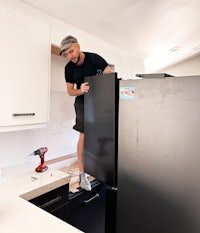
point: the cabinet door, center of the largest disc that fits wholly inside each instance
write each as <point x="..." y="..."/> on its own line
<point x="24" y="70"/>
<point x="85" y="210"/>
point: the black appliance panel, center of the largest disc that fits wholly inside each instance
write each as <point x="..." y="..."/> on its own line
<point x="101" y="127"/>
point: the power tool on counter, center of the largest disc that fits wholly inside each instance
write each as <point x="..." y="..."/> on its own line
<point x="41" y="152"/>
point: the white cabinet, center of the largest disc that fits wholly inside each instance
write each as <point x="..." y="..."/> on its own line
<point x="24" y="71"/>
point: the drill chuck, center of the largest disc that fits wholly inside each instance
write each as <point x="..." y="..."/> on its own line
<point x="40" y="151"/>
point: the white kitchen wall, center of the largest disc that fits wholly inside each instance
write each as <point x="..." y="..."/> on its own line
<point x="190" y="66"/>
<point x="59" y="136"/>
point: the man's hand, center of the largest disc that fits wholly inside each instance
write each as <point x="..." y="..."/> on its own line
<point x="85" y="87"/>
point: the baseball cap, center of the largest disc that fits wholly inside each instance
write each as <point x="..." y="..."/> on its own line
<point x="67" y="42"/>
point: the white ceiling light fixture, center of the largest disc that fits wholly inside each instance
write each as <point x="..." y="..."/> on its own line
<point x="196" y="48"/>
<point x="174" y="49"/>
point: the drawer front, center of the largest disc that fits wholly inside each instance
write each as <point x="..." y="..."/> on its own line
<point x="53" y="199"/>
<point x="85" y="211"/>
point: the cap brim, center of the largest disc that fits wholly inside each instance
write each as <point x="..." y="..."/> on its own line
<point x="64" y="47"/>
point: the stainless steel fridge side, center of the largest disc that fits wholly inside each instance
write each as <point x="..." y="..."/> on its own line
<point x="159" y="156"/>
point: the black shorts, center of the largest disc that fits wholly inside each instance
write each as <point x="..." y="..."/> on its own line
<point x="79" y="110"/>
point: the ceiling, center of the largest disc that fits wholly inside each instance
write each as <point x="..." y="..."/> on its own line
<point x="148" y="29"/>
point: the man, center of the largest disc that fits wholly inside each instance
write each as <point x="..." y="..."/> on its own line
<point x="80" y="65"/>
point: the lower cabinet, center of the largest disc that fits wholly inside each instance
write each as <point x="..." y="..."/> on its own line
<point x="83" y="210"/>
<point x="52" y="200"/>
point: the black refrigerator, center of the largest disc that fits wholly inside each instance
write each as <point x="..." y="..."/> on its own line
<point x="142" y="138"/>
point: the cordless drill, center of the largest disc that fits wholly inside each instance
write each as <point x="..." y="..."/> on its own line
<point x="41" y="151"/>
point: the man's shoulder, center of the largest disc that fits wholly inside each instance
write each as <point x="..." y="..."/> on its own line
<point x="69" y="65"/>
<point x="93" y="57"/>
<point x="89" y="54"/>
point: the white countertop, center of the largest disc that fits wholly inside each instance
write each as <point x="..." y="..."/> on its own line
<point x="19" y="215"/>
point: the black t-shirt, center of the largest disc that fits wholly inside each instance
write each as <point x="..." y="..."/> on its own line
<point x="92" y="65"/>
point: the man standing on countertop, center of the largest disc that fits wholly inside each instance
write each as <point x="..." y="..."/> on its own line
<point x="80" y="65"/>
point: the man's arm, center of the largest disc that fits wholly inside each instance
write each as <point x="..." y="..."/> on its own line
<point x="84" y="86"/>
<point x="107" y="70"/>
<point x="76" y="92"/>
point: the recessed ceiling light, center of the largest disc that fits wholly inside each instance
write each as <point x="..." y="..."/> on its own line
<point x="174" y="49"/>
<point x="196" y="48"/>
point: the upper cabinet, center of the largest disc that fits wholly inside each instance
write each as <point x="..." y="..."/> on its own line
<point x="24" y="71"/>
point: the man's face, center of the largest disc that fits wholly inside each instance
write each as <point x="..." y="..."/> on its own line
<point x="73" y="53"/>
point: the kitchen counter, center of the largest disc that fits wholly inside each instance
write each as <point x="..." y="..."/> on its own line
<point x="22" y="183"/>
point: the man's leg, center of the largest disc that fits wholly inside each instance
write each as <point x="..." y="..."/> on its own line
<point x="84" y="183"/>
<point x="80" y="148"/>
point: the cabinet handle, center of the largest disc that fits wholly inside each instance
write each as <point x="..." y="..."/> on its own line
<point x="92" y="198"/>
<point x="51" y="202"/>
<point x="23" y="114"/>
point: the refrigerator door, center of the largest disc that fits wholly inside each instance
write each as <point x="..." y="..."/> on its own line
<point x="158" y="159"/>
<point x="101" y="127"/>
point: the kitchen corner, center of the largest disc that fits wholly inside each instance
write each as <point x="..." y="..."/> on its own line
<point x="17" y="214"/>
